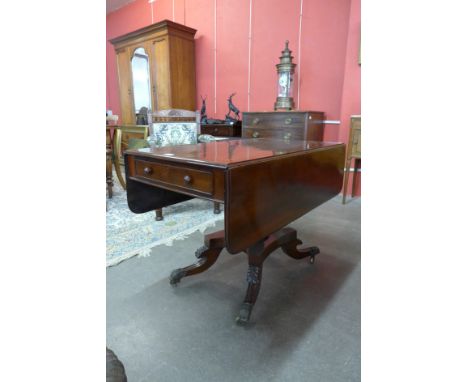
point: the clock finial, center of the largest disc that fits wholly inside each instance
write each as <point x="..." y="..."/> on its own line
<point x="286" y="54"/>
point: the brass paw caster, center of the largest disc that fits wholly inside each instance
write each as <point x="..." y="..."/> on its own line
<point x="176" y="276"/>
<point x="314" y="251"/>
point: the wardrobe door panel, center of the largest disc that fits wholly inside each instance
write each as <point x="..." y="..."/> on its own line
<point x="125" y="84"/>
<point x="182" y="59"/>
<point x="160" y="73"/>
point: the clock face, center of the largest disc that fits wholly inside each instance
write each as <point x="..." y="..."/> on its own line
<point x="283" y="80"/>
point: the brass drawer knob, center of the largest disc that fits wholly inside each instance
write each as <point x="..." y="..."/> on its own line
<point x="187" y="179"/>
<point x="215" y="129"/>
<point x="288" y="121"/>
<point x="287" y="136"/>
<point x="255" y="134"/>
<point x="148" y="170"/>
<point x="256" y="121"/>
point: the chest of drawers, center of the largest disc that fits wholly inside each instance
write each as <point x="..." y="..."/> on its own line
<point x="301" y="125"/>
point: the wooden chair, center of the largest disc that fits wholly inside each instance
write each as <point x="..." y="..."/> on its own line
<point x="136" y="136"/>
<point x="353" y="152"/>
<point x="126" y="137"/>
<point x="174" y="127"/>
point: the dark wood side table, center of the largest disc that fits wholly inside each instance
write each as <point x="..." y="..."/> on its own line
<point x="120" y="135"/>
<point x="286" y="178"/>
<point x="353" y="151"/>
<point x="306" y="125"/>
<point x="222" y="130"/>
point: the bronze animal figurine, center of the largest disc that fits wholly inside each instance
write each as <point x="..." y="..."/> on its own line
<point x="232" y="108"/>
<point x="203" y="116"/>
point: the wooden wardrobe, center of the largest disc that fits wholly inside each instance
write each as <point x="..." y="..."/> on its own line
<point x="170" y="48"/>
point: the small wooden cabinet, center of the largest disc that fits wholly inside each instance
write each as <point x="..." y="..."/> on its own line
<point x="118" y="137"/>
<point x="170" y="49"/>
<point x="300" y="125"/>
<point x="223" y="130"/>
<point x="353" y="151"/>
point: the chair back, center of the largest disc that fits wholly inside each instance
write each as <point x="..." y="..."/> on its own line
<point x="173" y="127"/>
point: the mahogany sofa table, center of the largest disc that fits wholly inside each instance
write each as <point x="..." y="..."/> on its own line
<point x="265" y="184"/>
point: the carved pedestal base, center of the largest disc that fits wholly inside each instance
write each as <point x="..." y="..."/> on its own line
<point x="285" y="238"/>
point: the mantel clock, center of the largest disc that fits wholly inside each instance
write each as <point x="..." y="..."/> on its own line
<point x="285" y="69"/>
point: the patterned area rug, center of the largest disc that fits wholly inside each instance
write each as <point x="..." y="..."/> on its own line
<point x="129" y="234"/>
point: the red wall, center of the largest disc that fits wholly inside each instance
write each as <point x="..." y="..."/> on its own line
<point x="328" y="69"/>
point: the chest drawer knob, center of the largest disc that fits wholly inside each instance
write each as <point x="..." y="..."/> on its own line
<point x="256" y="121"/>
<point x="215" y="129"/>
<point x="288" y="121"/>
<point x="187" y="179"/>
<point x="287" y="136"/>
<point x="148" y="170"/>
<point x="255" y="134"/>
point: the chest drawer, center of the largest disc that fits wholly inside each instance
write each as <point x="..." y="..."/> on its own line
<point x="295" y="133"/>
<point x="222" y="130"/>
<point x="306" y="125"/>
<point x="172" y="175"/>
<point x="278" y="120"/>
<point x="216" y="130"/>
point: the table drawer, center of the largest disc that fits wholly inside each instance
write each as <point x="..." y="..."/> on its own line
<point x="273" y="132"/>
<point x="279" y="120"/>
<point x="173" y="175"/>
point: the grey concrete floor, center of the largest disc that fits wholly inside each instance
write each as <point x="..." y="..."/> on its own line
<point x="305" y="325"/>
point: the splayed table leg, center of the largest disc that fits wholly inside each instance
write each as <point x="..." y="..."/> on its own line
<point x="207" y="255"/>
<point x="285" y="238"/>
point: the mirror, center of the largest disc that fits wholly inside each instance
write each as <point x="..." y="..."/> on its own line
<point x="141" y="85"/>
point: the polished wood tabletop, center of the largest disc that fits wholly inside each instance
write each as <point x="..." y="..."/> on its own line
<point x="229" y="152"/>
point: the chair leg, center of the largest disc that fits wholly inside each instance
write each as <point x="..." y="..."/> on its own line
<point x="109" y="188"/>
<point x="118" y="171"/>
<point x="357" y="165"/>
<point x="346" y="178"/>
<point x="159" y="214"/>
<point x="117" y="155"/>
<point x="216" y="208"/>
<point x="109" y="180"/>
